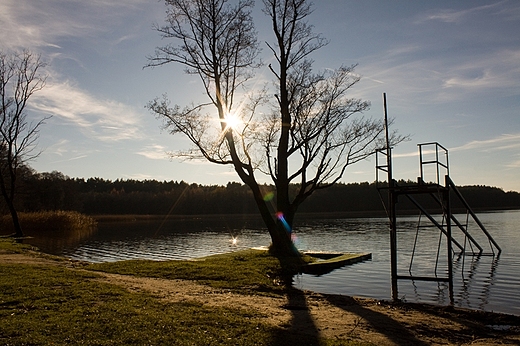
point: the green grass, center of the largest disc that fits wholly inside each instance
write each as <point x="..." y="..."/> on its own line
<point x="249" y="270"/>
<point x="55" y="304"/>
<point x="9" y="245"/>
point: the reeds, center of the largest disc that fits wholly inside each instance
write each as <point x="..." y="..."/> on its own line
<point x="59" y="221"/>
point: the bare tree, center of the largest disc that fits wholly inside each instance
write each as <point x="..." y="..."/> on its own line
<point x="20" y="78"/>
<point x="311" y="131"/>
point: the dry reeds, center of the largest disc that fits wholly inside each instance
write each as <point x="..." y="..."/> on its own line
<point x="58" y="221"/>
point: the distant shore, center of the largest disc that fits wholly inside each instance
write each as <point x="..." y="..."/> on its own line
<point x="257" y="217"/>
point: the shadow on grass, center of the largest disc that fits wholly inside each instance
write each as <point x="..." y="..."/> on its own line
<point x="301" y="329"/>
<point x="475" y="323"/>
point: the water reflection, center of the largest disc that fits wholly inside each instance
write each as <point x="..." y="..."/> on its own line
<point x="53" y="241"/>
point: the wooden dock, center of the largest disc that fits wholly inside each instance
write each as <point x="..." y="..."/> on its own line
<point x="328" y="261"/>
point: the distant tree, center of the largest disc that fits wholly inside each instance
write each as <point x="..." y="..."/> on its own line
<point x="49" y="191"/>
<point x="20" y="78"/>
<point x="310" y="133"/>
<point x="55" y="191"/>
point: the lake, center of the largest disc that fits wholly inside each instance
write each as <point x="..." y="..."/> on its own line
<point x="489" y="283"/>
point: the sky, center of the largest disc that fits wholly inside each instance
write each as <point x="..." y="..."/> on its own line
<point x="450" y="69"/>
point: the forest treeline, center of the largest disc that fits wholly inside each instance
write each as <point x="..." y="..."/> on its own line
<point x="54" y="191"/>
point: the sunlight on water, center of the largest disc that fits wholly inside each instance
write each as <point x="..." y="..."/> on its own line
<point x="480" y="282"/>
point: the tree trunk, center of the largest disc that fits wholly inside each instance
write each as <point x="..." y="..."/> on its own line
<point x="9" y="200"/>
<point x="279" y="229"/>
<point x="282" y="242"/>
<point x="16" y="221"/>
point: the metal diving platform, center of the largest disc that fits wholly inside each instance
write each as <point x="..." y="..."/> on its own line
<point x="433" y="196"/>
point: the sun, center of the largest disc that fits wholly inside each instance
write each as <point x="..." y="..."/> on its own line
<point x="232" y="121"/>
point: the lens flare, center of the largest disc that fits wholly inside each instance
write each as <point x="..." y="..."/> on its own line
<point x="268" y="196"/>
<point x="294" y="238"/>
<point x="280" y="217"/>
<point x="296" y="241"/>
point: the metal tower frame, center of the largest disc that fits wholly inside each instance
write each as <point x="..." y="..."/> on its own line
<point x="441" y="194"/>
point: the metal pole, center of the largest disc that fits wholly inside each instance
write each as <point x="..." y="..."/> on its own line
<point x="392" y="213"/>
<point x="451" y="185"/>
<point x="421" y="162"/>
<point x="386" y="130"/>
<point x="437" y="164"/>
<point x="448" y="231"/>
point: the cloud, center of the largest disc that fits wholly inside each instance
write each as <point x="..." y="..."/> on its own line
<point x="32" y="24"/>
<point x="505" y="146"/>
<point x="59" y="148"/>
<point x="104" y="120"/>
<point x="49" y="27"/>
<point x="500" y="143"/>
<point x="453" y="16"/>
<point x="154" y="152"/>
<point x="65" y="151"/>
<point x="444" y="63"/>
<point x="409" y="154"/>
<point x="514" y="164"/>
<point x="139" y="176"/>
<point x="428" y="79"/>
<point x="512" y="12"/>
<point x="497" y="70"/>
<point x="71" y="159"/>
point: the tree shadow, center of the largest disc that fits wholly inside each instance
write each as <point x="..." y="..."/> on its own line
<point x="302" y="330"/>
<point x="476" y="323"/>
<point x="385" y="325"/>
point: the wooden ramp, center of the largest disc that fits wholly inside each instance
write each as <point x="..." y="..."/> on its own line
<point x="328" y="261"/>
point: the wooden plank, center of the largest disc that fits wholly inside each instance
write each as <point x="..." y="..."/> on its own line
<point x="330" y="261"/>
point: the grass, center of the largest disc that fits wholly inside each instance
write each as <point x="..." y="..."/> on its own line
<point x="46" y="305"/>
<point x="9" y="245"/>
<point x="248" y="270"/>
<point x="53" y="304"/>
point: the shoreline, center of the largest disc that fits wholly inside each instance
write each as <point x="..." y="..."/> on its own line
<point x="257" y="217"/>
<point x="313" y="316"/>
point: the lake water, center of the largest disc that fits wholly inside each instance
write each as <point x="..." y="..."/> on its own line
<point x="489" y="283"/>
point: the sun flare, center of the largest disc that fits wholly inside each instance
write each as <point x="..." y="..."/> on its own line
<point x="232" y="121"/>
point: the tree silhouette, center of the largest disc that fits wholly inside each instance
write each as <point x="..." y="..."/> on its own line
<point x="308" y="131"/>
<point x="20" y="78"/>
